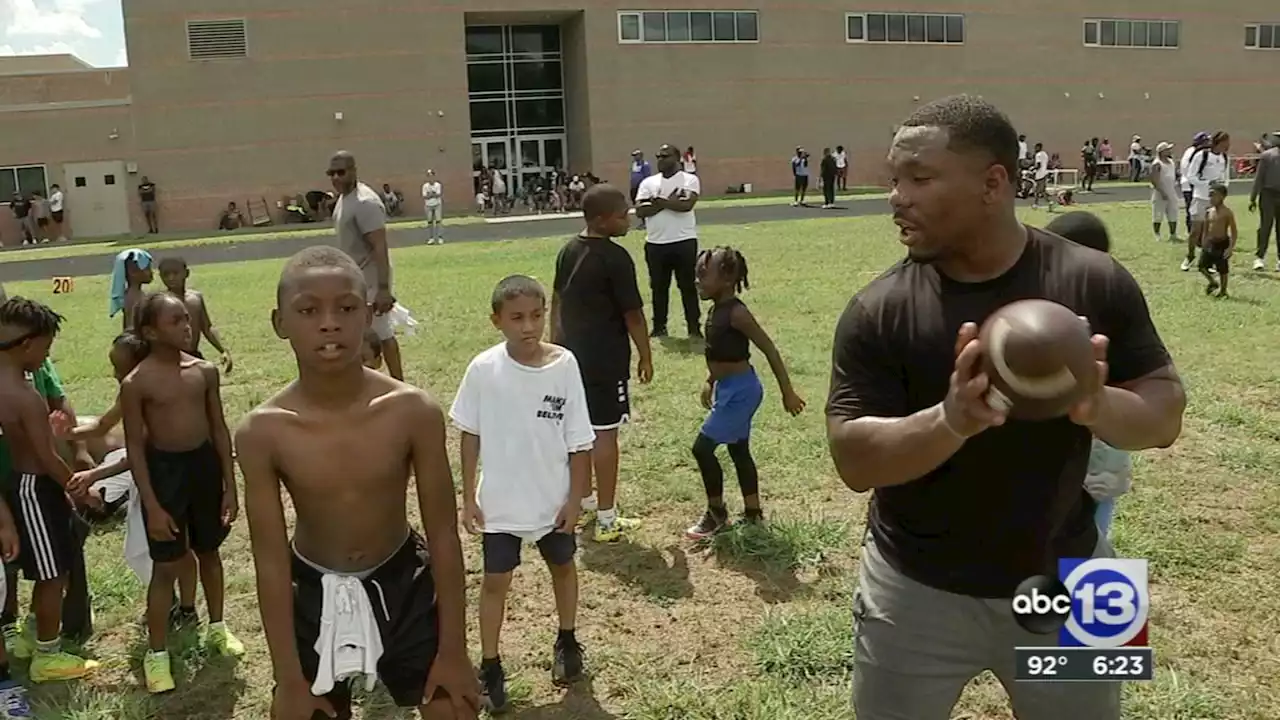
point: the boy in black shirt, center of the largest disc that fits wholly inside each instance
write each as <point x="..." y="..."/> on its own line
<point x="967" y="502"/>
<point x="595" y="306"/>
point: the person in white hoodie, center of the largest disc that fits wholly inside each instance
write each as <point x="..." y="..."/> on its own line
<point x="1208" y="166"/>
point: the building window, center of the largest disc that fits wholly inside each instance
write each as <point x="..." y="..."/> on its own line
<point x="906" y="28"/>
<point x="1132" y="33"/>
<point x="217" y="39"/>
<point x="689" y="26"/>
<point x="1263" y="36"/>
<point x="24" y="180"/>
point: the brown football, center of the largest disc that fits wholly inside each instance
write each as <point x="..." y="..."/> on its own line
<point x="1038" y="357"/>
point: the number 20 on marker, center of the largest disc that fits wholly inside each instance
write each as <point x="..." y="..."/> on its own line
<point x="63" y="285"/>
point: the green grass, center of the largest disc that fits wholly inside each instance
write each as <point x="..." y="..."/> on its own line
<point x="164" y="241"/>
<point x="756" y="624"/>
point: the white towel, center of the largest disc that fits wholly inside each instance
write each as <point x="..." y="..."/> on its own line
<point x="349" y="643"/>
<point x="400" y="317"/>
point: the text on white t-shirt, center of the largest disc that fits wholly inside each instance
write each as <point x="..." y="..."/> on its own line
<point x="668" y="226"/>
<point x="528" y="419"/>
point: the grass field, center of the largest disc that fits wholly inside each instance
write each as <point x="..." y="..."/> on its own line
<point x="757" y="626"/>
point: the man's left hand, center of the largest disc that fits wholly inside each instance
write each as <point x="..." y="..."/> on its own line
<point x="383" y="301"/>
<point x="1089" y="409"/>
<point x="454" y="675"/>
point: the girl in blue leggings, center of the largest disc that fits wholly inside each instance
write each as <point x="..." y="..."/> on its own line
<point x="733" y="391"/>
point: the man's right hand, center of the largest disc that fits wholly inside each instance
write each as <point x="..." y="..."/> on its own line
<point x="1253" y="205"/>
<point x="294" y="701"/>
<point x="160" y="525"/>
<point x="965" y="409"/>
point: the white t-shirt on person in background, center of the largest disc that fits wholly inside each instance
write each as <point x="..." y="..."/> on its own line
<point x="1022" y="150"/>
<point x="1042" y="165"/>
<point x="1206" y="168"/>
<point x="842" y="160"/>
<point x="528" y="419"/>
<point x="667" y="226"/>
<point x="431" y="193"/>
<point x="55" y="201"/>
<point x="1183" y="168"/>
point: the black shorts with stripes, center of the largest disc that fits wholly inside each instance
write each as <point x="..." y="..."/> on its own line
<point x="43" y="514"/>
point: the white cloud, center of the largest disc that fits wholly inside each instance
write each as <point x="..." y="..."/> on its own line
<point x="64" y="19"/>
<point x="54" y="48"/>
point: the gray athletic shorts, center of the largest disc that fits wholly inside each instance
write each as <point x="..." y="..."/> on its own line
<point x="915" y="649"/>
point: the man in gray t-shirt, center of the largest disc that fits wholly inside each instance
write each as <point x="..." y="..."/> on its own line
<point x="360" y="221"/>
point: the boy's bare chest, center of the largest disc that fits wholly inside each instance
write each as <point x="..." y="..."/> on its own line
<point x="344" y="460"/>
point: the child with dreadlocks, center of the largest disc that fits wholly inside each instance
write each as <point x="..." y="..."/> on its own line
<point x="733" y="391"/>
<point x="38" y="486"/>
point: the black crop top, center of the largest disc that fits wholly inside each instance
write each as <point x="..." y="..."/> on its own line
<point x="725" y="343"/>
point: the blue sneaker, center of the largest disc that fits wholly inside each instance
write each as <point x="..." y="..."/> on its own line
<point x="13" y="701"/>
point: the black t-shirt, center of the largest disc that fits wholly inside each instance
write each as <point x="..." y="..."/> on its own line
<point x="147" y="192"/>
<point x="596" y="282"/>
<point x="1010" y="502"/>
<point x="21" y="208"/>
<point x="828" y="166"/>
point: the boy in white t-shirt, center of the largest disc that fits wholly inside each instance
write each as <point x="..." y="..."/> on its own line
<point x="522" y="410"/>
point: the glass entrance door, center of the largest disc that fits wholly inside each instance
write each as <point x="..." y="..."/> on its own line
<point x="540" y="156"/>
<point x="490" y="154"/>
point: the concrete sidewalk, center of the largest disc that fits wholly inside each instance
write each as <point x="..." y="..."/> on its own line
<point x="223" y="252"/>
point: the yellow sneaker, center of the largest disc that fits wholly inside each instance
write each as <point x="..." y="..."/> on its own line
<point x="158" y="673"/>
<point x="221" y="641"/>
<point x="59" y="666"/>
<point x="614" y="531"/>
<point x="18" y="641"/>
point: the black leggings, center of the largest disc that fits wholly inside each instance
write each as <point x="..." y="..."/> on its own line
<point x="704" y="451"/>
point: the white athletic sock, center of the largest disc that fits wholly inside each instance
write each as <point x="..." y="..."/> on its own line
<point x="589" y="503"/>
<point x="607" y="517"/>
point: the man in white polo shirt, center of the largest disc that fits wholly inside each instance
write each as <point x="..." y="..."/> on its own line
<point x="665" y="202"/>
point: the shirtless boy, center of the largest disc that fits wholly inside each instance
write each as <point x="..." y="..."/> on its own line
<point x="174" y="273"/>
<point x="1219" y="244"/>
<point x="342" y="440"/>
<point x="180" y="451"/>
<point x="39" y="483"/>
<point x="137" y="268"/>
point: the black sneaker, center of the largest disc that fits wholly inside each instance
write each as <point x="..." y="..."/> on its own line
<point x="695" y="333"/>
<point x="493" y="683"/>
<point x="753" y="516"/>
<point x="658" y="333"/>
<point x="567" y="666"/>
<point x="713" y="521"/>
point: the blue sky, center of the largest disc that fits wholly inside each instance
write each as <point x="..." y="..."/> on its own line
<point x="93" y="30"/>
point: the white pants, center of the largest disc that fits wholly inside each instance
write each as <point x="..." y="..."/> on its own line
<point x="1163" y="209"/>
<point x="433" y="213"/>
<point x="1199" y="209"/>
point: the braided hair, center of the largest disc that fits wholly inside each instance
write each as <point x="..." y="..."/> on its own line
<point x="729" y="261"/>
<point x="34" y="318"/>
